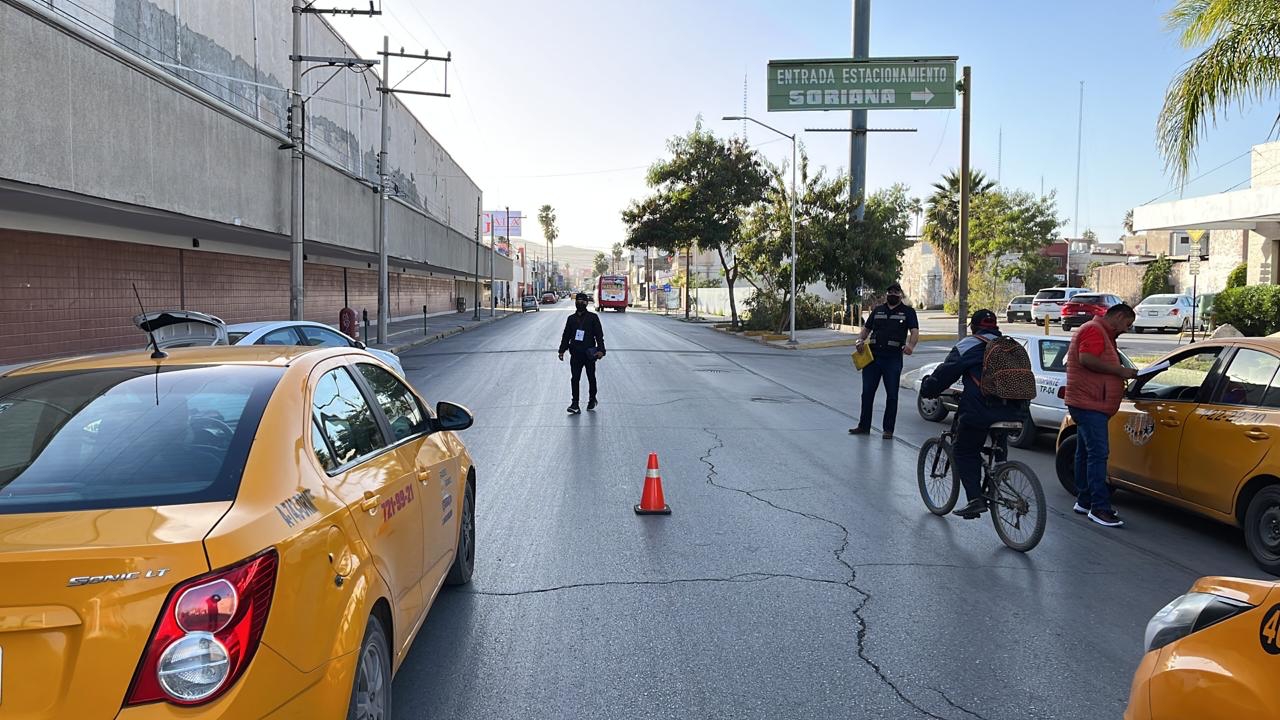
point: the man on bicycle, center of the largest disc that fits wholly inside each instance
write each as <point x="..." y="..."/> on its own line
<point x="978" y="411"/>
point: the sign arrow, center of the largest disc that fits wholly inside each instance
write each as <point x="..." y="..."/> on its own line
<point x="922" y="96"/>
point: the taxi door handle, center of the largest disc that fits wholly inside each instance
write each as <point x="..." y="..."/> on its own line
<point x="424" y="476"/>
<point x="1257" y="435"/>
<point x="1170" y="422"/>
<point x="370" y="503"/>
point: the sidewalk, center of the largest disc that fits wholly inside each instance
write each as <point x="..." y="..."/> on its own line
<point x="405" y="334"/>
<point x="824" y="337"/>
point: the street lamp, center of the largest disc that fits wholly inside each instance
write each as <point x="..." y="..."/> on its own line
<point x="792" y="339"/>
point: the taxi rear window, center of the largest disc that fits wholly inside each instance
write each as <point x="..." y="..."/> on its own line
<point x="127" y="437"/>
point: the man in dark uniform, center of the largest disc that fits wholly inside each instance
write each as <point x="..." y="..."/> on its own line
<point x="894" y="331"/>
<point x="584" y="339"/>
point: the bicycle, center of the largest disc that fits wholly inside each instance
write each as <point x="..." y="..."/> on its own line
<point x="1012" y="490"/>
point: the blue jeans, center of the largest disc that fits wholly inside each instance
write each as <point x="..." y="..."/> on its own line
<point x="886" y="368"/>
<point x="1092" y="449"/>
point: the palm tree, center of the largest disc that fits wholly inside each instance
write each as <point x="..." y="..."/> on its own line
<point x="1128" y="222"/>
<point x="942" y="221"/>
<point x="1240" y="61"/>
<point x="617" y="256"/>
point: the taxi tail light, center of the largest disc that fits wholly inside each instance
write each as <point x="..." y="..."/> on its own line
<point x="1174" y="312"/>
<point x="199" y="614"/>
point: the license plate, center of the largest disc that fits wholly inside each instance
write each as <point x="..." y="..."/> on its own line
<point x="1153" y="313"/>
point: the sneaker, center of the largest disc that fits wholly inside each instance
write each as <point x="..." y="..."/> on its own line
<point x="1106" y="518"/>
<point x="859" y="431"/>
<point x="972" y="509"/>
<point x="887" y="436"/>
<point x="573" y="409"/>
<point x="1080" y="509"/>
<point x="591" y="404"/>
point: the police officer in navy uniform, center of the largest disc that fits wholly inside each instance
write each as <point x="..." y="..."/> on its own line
<point x="893" y="331"/>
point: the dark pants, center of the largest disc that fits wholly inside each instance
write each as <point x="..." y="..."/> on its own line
<point x="578" y="361"/>
<point x="1092" y="450"/>
<point x="886" y="368"/>
<point x="970" y="437"/>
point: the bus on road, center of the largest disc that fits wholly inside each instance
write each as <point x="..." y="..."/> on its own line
<point x="613" y="291"/>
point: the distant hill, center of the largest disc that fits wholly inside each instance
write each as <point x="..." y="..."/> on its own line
<point x="579" y="258"/>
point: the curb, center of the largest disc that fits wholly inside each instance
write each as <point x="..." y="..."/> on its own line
<point x="454" y="330"/>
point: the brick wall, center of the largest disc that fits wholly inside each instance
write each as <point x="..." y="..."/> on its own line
<point x="67" y="295"/>
<point x="1123" y="281"/>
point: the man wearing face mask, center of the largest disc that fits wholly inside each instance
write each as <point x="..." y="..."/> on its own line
<point x="584" y="339"/>
<point x="894" y="331"/>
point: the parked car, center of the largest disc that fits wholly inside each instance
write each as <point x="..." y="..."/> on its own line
<point x="529" y="302"/>
<point x="549" y="298"/>
<point x="181" y="328"/>
<point x="230" y="532"/>
<point x="1163" y="312"/>
<point x="1084" y="307"/>
<point x="1046" y="306"/>
<point x="1048" y="362"/>
<point x="301" y="332"/>
<point x="1204" y="311"/>
<point x="1198" y="430"/>
<point x="1019" y="309"/>
<point x="1211" y="654"/>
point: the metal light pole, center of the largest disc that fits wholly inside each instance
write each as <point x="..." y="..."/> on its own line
<point x="791" y="339"/>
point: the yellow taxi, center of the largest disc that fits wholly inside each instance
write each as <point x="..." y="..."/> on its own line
<point x="1212" y="654"/>
<point x="243" y="532"/>
<point x="1200" y="429"/>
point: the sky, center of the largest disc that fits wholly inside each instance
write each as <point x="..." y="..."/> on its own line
<point x="567" y="102"/>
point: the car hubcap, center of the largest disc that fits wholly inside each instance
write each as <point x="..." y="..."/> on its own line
<point x="468" y="531"/>
<point x="1269" y="528"/>
<point x="930" y="406"/>
<point x="371" y="693"/>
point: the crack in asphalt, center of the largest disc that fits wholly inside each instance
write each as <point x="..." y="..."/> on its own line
<point x="1036" y="570"/>
<point x="750" y="577"/>
<point x="851" y="583"/>
<point x="957" y="705"/>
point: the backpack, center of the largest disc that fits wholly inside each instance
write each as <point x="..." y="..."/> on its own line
<point x="1006" y="370"/>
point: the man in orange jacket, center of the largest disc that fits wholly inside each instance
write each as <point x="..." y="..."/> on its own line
<point x="1095" y="387"/>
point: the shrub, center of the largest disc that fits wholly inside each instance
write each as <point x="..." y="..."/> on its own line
<point x="770" y="311"/>
<point x="1239" y="277"/>
<point x="1253" y="310"/>
<point x="1155" y="280"/>
<point x="951" y="306"/>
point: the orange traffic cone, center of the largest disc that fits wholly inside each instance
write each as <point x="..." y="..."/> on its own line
<point x="651" y="502"/>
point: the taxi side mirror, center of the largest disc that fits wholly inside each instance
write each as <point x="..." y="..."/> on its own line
<point x="452" y="417"/>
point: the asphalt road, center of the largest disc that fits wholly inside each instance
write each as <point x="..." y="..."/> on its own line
<point x="799" y="575"/>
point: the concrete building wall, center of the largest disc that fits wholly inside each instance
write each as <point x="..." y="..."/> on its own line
<point x="1123" y="281"/>
<point x="126" y="122"/>
<point x="921" y="278"/>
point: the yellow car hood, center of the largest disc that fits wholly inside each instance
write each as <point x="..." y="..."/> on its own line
<point x="80" y="594"/>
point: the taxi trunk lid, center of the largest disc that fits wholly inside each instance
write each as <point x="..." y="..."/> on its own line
<point x="81" y="594"/>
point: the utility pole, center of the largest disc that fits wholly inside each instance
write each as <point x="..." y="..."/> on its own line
<point x="858" y="139"/>
<point x="1076" y="213"/>
<point x="967" y="89"/>
<point x="384" y="168"/>
<point x="476" y="289"/>
<point x="493" y="254"/>
<point x="297" y="212"/>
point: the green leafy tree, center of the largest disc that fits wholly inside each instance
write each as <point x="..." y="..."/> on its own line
<point x="700" y="195"/>
<point x="1253" y="310"/>
<point x="1090" y="237"/>
<point x="765" y="251"/>
<point x="942" y="221"/>
<point x="1155" y="279"/>
<point x="867" y="254"/>
<point x="1239" y="62"/>
<point x="601" y="264"/>
<point x="617" y="256"/>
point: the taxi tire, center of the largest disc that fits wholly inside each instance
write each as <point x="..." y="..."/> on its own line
<point x="932" y="409"/>
<point x="373" y="648"/>
<point x="1268" y="498"/>
<point x="464" y="556"/>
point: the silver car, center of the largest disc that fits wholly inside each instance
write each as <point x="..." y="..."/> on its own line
<point x="1163" y="312"/>
<point x="302" y="332"/>
<point x="1048" y="362"/>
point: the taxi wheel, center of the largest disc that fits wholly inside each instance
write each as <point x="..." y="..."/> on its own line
<point x="1065" y="464"/>
<point x="464" y="558"/>
<point x="931" y="409"/>
<point x="371" y="689"/>
<point x="1262" y="528"/>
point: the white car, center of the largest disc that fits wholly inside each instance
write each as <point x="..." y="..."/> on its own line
<point x="301" y="332"/>
<point x="1163" y="312"/>
<point x="1019" y="309"/>
<point x="1048" y="362"/>
<point x="1047" y="304"/>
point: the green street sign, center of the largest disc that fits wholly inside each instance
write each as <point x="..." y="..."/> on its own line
<point x="872" y="84"/>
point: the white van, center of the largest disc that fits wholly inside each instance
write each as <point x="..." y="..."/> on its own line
<point x="1047" y="304"/>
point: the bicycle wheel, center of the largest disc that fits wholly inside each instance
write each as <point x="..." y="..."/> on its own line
<point x="935" y="473"/>
<point x="1018" y="508"/>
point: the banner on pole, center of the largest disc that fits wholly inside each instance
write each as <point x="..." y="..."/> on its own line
<point x="495" y="223"/>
